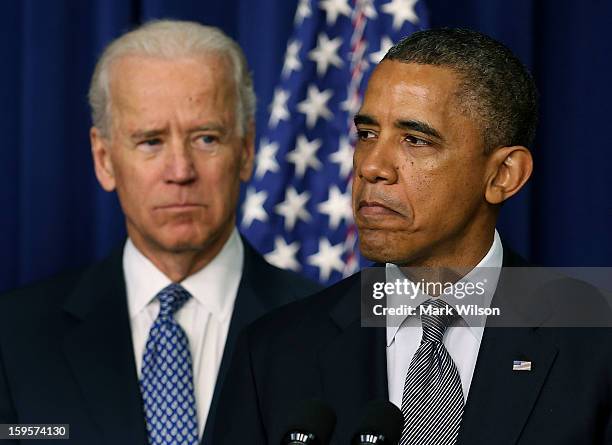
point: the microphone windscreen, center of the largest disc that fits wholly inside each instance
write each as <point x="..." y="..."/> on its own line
<point x="382" y="418"/>
<point x="313" y="416"/>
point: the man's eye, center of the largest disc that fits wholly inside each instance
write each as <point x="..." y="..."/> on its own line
<point x="413" y="140"/>
<point x="208" y="139"/>
<point x="364" y="135"/>
<point x="206" y="142"/>
<point x="150" y="144"/>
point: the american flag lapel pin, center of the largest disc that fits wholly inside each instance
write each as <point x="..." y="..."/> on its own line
<point x="521" y="365"/>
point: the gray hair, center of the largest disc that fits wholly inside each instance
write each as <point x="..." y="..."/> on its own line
<point x="171" y="39"/>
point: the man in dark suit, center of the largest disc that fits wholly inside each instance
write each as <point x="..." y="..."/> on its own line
<point x="442" y="142"/>
<point x="134" y="349"/>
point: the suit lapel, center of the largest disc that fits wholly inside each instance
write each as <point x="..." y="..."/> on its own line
<point x="353" y="365"/>
<point x="250" y="302"/>
<point x="249" y="306"/>
<point x="100" y="352"/>
<point x="500" y="398"/>
<point x="353" y="372"/>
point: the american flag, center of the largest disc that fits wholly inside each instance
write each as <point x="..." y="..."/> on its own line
<point x="297" y="207"/>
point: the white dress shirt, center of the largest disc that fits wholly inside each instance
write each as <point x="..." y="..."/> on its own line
<point x="205" y="318"/>
<point x="461" y="339"/>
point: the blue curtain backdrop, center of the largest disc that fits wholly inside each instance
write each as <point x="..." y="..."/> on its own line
<point x="54" y="215"/>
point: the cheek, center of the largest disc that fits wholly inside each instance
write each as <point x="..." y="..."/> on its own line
<point x="136" y="183"/>
<point x="422" y="183"/>
<point x="440" y="192"/>
<point x="356" y="185"/>
<point x="220" y="182"/>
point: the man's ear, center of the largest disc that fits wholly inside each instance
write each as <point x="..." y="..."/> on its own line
<point x="100" y="150"/>
<point x="247" y="155"/>
<point x="510" y="168"/>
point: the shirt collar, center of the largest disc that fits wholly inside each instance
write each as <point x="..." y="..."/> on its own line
<point x="209" y="286"/>
<point x="486" y="271"/>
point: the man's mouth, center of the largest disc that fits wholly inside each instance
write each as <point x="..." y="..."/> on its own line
<point x="375" y="208"/>
<point x="179" y="206"/>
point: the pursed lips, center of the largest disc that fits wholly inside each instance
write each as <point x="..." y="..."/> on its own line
<point x="179" y="206"/>
<point x="375" y="208"/>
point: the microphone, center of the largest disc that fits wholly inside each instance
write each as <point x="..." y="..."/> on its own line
<point x="310" y="423"/>
<point x="381" y="424"/>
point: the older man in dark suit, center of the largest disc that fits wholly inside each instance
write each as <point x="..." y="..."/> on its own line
<point x="134" y="349"/>
<point x="443" y="137"/>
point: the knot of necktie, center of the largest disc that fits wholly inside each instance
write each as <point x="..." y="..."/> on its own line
<point x="171" y="299"/>
<point x="436" y="316"/>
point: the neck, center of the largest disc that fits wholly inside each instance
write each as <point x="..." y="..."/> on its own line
<point x="452" y="260"/>
<point x="178" y="264"/>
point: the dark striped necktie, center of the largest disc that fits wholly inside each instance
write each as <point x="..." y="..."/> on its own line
<point x="432" y="403"/>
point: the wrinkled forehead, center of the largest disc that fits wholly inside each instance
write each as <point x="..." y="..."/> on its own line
<point x="437" y="94"/>
<point x="396" y="86"/>
<point x="135" y="73"/>
<point x="400" y="92"/>
<point x="149" y="88"/>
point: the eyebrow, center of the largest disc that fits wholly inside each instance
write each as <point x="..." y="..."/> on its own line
<point x="410" y="124"/>
<point x="209" y="127"/>
<point x="419" y="126"/>
<point x="153" y="133"/>
<point x="364" y="119"/>
<point x="148" y="134"/>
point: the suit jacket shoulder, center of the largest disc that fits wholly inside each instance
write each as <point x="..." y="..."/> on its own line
<point x="40" y="295"/>
<point x="310" y="348"/>
<point x="66" y="356"/>
<point x="263" y="287"/>
<point x="317" y="348"/>
<point x="66" y="353"/>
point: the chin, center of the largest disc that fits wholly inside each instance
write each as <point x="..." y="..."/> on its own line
<point x="382" y="247"/>
<point x="193" y="238"/>
<point x="185" y="246"/>
<point x="377" y="255"/>
<point x="184" y="241"/>
<point x="377" y="249"/>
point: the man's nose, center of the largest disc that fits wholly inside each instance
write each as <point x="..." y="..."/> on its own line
<point x="180" y="167"/>
<point x="376" y="163"/>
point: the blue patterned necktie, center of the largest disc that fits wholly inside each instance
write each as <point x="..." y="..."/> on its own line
<point x="166" y="379"/>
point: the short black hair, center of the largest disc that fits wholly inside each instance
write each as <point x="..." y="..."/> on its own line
<point x="494" y="84"/>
